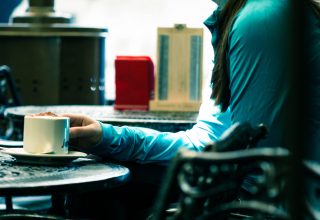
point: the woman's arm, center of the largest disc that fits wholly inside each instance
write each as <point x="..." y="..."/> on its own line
<point x="145" y="145"/>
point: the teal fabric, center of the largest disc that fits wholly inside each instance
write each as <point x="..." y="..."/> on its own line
<point x="259" y="67"/>
<point x="145" y="145"/>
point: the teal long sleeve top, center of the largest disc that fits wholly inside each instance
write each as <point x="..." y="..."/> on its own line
<point x="145" y="145"/>
<point x="258" y="70"/>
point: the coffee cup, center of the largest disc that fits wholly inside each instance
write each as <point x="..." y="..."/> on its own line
<point x="46" y="134"/>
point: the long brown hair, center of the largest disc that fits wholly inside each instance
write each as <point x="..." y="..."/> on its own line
<point x="220" y="79"/>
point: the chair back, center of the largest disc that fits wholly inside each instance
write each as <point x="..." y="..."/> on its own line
<point x="210" y="182"/>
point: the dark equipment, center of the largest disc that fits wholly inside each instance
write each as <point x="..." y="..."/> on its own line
<point x="54" y="61"/>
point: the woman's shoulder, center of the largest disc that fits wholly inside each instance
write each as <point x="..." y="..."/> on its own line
<point x="263" y="20"/>
<point x="263" y="15"/>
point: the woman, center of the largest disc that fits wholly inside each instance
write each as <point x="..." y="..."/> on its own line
<point x="251" y="40"/>
<point x="249" y="83"/>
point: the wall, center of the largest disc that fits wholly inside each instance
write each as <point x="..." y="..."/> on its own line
<point x="6" y="8"/>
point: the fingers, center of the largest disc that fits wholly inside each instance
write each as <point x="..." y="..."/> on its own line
<point x="83" y="129"/>
<point x="90" y="134"/>
<point x="80" y="132"/>
<point x="78" y="119"/>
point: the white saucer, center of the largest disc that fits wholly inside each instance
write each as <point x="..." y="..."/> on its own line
<point x="44" y="159"/>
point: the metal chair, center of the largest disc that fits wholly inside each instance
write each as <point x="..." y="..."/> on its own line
<point x="9" y="96"/>
<point x="210" y="182"/>
<point x="312" y="200"/>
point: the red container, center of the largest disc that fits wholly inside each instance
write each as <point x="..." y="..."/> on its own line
<point x="134" y="82"/>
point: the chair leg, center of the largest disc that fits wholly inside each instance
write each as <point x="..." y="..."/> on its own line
<point x="9" y="206"/>
<point x="58" y="203"/>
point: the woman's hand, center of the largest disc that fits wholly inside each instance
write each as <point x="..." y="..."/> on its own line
<point x="84" y="131"/>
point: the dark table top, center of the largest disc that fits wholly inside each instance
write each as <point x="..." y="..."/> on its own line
<point x="161" y="121"/>
<point x="83" y="174"/>
<point x="107" y="113"/>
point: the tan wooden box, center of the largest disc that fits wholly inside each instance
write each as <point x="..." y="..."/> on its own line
<point x="178" y="82"/>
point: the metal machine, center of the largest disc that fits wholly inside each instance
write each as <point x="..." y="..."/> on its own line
<point x="52" y="60"/>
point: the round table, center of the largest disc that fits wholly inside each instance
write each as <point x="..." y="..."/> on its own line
<point x="81" y="175"/>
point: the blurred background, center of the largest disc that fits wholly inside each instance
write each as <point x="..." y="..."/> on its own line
<point x="132" y="25"/>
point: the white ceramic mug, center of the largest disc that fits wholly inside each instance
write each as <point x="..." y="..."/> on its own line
<point x="46" y="134"/>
